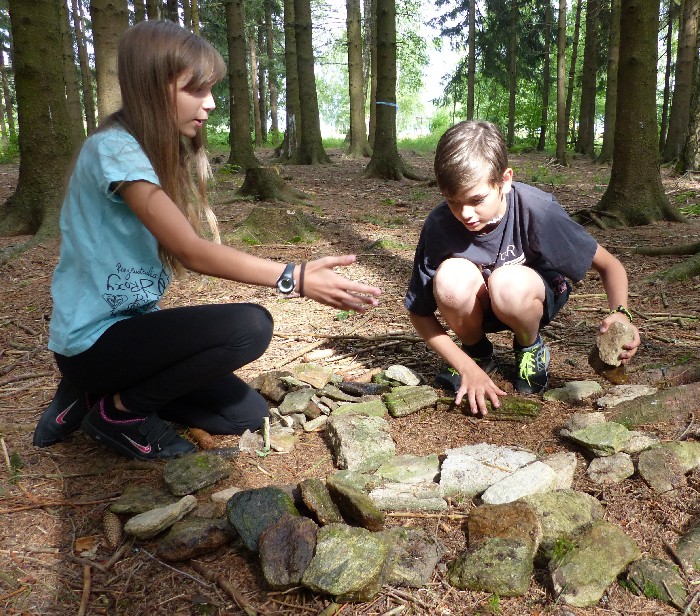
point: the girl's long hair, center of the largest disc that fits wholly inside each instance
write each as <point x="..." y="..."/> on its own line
<point x="152" y="56"/>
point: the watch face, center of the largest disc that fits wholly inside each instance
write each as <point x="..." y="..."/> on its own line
<point x="285" y="285"/>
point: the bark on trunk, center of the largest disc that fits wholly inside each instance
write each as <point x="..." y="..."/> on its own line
<point x="546" y="77"/>
<point x="585" y="143"/>
<point x="85" y="72"/>
<point x="606" y="151"/>
<point x="359" y="145"/>
<point x="75" y="109"/>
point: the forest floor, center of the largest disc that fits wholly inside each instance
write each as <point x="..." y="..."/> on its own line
<point x="51" y="497"/>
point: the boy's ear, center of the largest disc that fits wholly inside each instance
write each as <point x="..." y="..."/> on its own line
<point x="507" y="181"/>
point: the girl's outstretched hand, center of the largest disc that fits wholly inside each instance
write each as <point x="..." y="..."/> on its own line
<point x="323" y="284"/>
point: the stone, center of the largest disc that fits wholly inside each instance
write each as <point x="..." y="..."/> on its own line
<point x="688" y="548"/>
<point x="517" y="520"/>
<point x="272" y="386"/>
<point x="250" y="512"/>
<point x="640" y="441"/>
<point x="335" y="393"/>
<point x="579" y="421"/>
<point x="658" y="579"/>
<point x="358" y="442"/>
<point x="410" y="469"/>
<point x="663" y="467"/>
<point x="194" y="537"/>
<point x="602" y="439"/>
<point x="562" y="513"/>
<point x="408" y="497"/>
<point x="371" y="408"/>
<point x="314" y="425"/>
<point x="402" y="374"/>
<point x="318" y="500"/>
<point x="313" y="374"/>
<point x="150" y="523"/>
<point x="363" y="389"/>
<point x="223" y="496"/>
<point x="598" y="553"/>
<point x="611" y="469"/>
<point x="355" y="505"/>
<point x="530" y="479"/>
<point x="282" y="439"/>
<point x="406" y="400"/>
<point x="195" y="471"/>
<point x="499" y="566"/>
<point x="564" y="465"/>
<point x="296" y="401"/>
<point x="251" y="442"/>
<point x="610" y="343"/>
<point x="574" y="392"/>
<point x="413" y="556"/>
<point x="349" y="563"/>
<point x="286" y="549"/>
<point x="139" y="498"/>
<point x="470" y="470"/>
<point x="623" y="393"/>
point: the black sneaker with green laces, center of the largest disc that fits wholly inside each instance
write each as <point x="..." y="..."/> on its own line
<point x="531" y="362"/>
<point x="481" y="353"/>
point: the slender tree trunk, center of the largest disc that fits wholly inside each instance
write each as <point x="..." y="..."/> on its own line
<point x="194" y="15"/>
<point x="187" y="14"/>
<point x="262" y="88"/>
<point x="667" y="76"/>
<point x="562" y="128"/>
<point x="359" y="145"/>
<point x="546" y="78"/>
<point x="689" y="159"/>
<point x="171" y="11"/>
<point x="75" y="109"/>
<point x="84" y="63"/>
<point x="471" y="60"/>
<point x="45" y="139"/>
<point x="635" y="195"/>
<point x="682" y="90"/>
<point x="241" y="153"/>
<point x="255" y="93"/>
<point x="290" y="145"/>
<point x="572" y="68"/>
<point x="606" y="151"/>
<point x="7" y="96"/>
<point x="512" y="72"/>
<point x="311" y="150"/>
<point x="139" y="10"/>
<point x="110" y="18"/>
<point x="372" y="74"/>
<point x="585" y="144"/>
<point x="271" y="69"/>
<point x="153" y="9"/>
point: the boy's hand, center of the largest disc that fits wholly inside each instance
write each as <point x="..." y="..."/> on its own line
<point x="323" y="284"/>
<point x="477" y="386"/>
<point x="629" y="349"/>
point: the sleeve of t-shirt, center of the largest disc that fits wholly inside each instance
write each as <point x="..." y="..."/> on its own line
<point x="121" y="159"/>
<point x="419" y="298"/>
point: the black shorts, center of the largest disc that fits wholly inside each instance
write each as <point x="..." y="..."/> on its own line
<point x="556" y="293"/>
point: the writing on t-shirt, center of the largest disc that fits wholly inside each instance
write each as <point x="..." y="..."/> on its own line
<point x="134" y="290"/>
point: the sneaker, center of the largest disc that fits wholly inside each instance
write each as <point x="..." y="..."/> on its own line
<point x="531" y="363"/>
<point x="62" y="417"/>
<point x="135" y="436"/>
<point x="449" y="378"/>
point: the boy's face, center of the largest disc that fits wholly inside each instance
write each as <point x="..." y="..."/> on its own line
<point x="481" y="204"/>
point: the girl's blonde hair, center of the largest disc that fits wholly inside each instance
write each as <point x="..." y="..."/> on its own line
<point x="152" y="56"/>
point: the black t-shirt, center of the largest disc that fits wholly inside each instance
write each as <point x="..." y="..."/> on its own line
<point x="535" y="231"/>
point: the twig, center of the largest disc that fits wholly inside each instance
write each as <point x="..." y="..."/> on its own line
<point x="27" y="357"/>
<point x="84" y="600"/>
<point x="86" y="562"/>
<point x="394" y="611"/>
<point x="367" y="350"/>
<point x="60" y="503"/>
<point x="407" y="597"/>
<point x="119" y="554"/>
<point x="175" y="569"/>
<point x="6" y="455"/>
<point x="689" y="608"/>
<point x="225" y="585"/>
<point x="687" y="429"/>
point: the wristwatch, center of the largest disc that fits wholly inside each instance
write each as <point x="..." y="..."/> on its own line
<point x="286" y="283"/>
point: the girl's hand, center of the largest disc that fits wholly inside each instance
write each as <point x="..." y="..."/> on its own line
<point x="477" y="386"/>
<point x="629" y="349"/>
<point x="323" y="284"/>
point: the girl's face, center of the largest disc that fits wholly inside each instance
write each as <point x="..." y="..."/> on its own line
<point x="192" y="107"/>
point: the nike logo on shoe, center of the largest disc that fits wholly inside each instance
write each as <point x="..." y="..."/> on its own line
<point x="142" y="448"/>
<point x="60" y="418"/>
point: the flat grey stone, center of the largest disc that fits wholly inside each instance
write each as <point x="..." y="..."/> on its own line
<point x="317" y="498"/>
<point x="533" y="478"/>
<point x="354" y="504"/>
<point x="564" y="464"/>
<point x="413" y="556"/>
<point x="517" y="520"/>
<point x="658" y="579"/>
<point x="611" y="469"/>
<point x="408" y="497"/>
<point x="622" y="393"/>
<point x="688" y="548"/>
<point x="194" y="537"/>
<point x="371" y="408"/>
<point x="664" y="467"/>
<point x="359" y="442"/>
<point x="602" y="439"/>
<point x="579" y="421"/>
<point x="138" y="498"/>
<point x="402" y="374"/>
<point x="195" y="471"/>
<point x="296" y="401"/>
<point x="574" y="392"/>
<point x="313" y="374"/>
<point x="151" y="523"/>
<point x="410" y="469"/>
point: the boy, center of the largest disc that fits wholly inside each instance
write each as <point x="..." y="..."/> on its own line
<point x="488" y="222"/>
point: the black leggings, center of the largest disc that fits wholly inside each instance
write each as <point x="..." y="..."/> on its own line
<point x="178" y="363"/>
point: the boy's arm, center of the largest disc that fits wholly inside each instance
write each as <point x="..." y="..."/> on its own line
<point x="475" y="383"/>
<point x="614" y="279"/>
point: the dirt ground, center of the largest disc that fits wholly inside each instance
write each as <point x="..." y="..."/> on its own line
<point x="51" y="497"/>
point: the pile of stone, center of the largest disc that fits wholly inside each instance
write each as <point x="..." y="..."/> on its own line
<point x="331" y="536"/>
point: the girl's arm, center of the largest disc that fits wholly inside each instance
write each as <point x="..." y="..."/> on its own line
<point x="171" y="228"/>
<point x="614" y="279"/>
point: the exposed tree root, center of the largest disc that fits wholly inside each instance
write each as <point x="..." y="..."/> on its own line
<point x="266" y="185"/>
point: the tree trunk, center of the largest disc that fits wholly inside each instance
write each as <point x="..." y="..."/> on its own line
<point x="241" y="152"/>
<point x="386" y="162"/>
<point x="85" y="72"/>
<point x="171" y="11"/>
<point x="546" y="77"/>
<point x="4" y="137"/>
<point x="667" y="76"/>
<point x="682" y="90"/>
<point x="194" y="16"/>
<point x="139" y="11"/>
<point x="562" y="128"/>
<point x="310" y="150"/>
<point x="372" y="73"/>
<point x="255" y="92"/>
<point x="7" y="96"/>
<point x="290" y="145"/>
<point x="45" y="140"/>
<point x="635" y="195"/>
<point x="585" y="144"/>
<point x="271" y="70"/>
<point x="153" y="9"/>
<point x="75" y="109"/>
<point x="572" y="68"/>
<point x="262" y="88"/>
<point x="512" y="72"/>
<point x="110" y="18"/>
<point x="606" y="151"/>
<point x="359" y="146"/>
<point x="471" y="60"/>
<point x="689" y="159"/>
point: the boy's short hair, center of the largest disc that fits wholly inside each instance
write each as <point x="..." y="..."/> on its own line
<point x="468" y="153"/>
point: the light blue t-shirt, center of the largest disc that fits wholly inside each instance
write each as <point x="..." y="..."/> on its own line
<point x="109" y="267"/>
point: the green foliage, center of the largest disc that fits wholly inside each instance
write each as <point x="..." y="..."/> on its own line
<point x="561" y="548"/>
<point x="342" y="315"/>
<point x="424" y="144"/>
<point x="388" y="244"/>
<point x="15" y="465"/>
<point x="10" y="154"/>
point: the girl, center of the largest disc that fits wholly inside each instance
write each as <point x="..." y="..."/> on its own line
<point x="131" y="218"/>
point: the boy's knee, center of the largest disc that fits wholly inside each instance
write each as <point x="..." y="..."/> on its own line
<point x="514" y="283"/>
<point x="455" y="280"/>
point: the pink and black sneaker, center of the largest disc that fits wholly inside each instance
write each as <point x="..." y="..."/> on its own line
<point x="62" y="417"/>
<point x="146" y="437"/>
